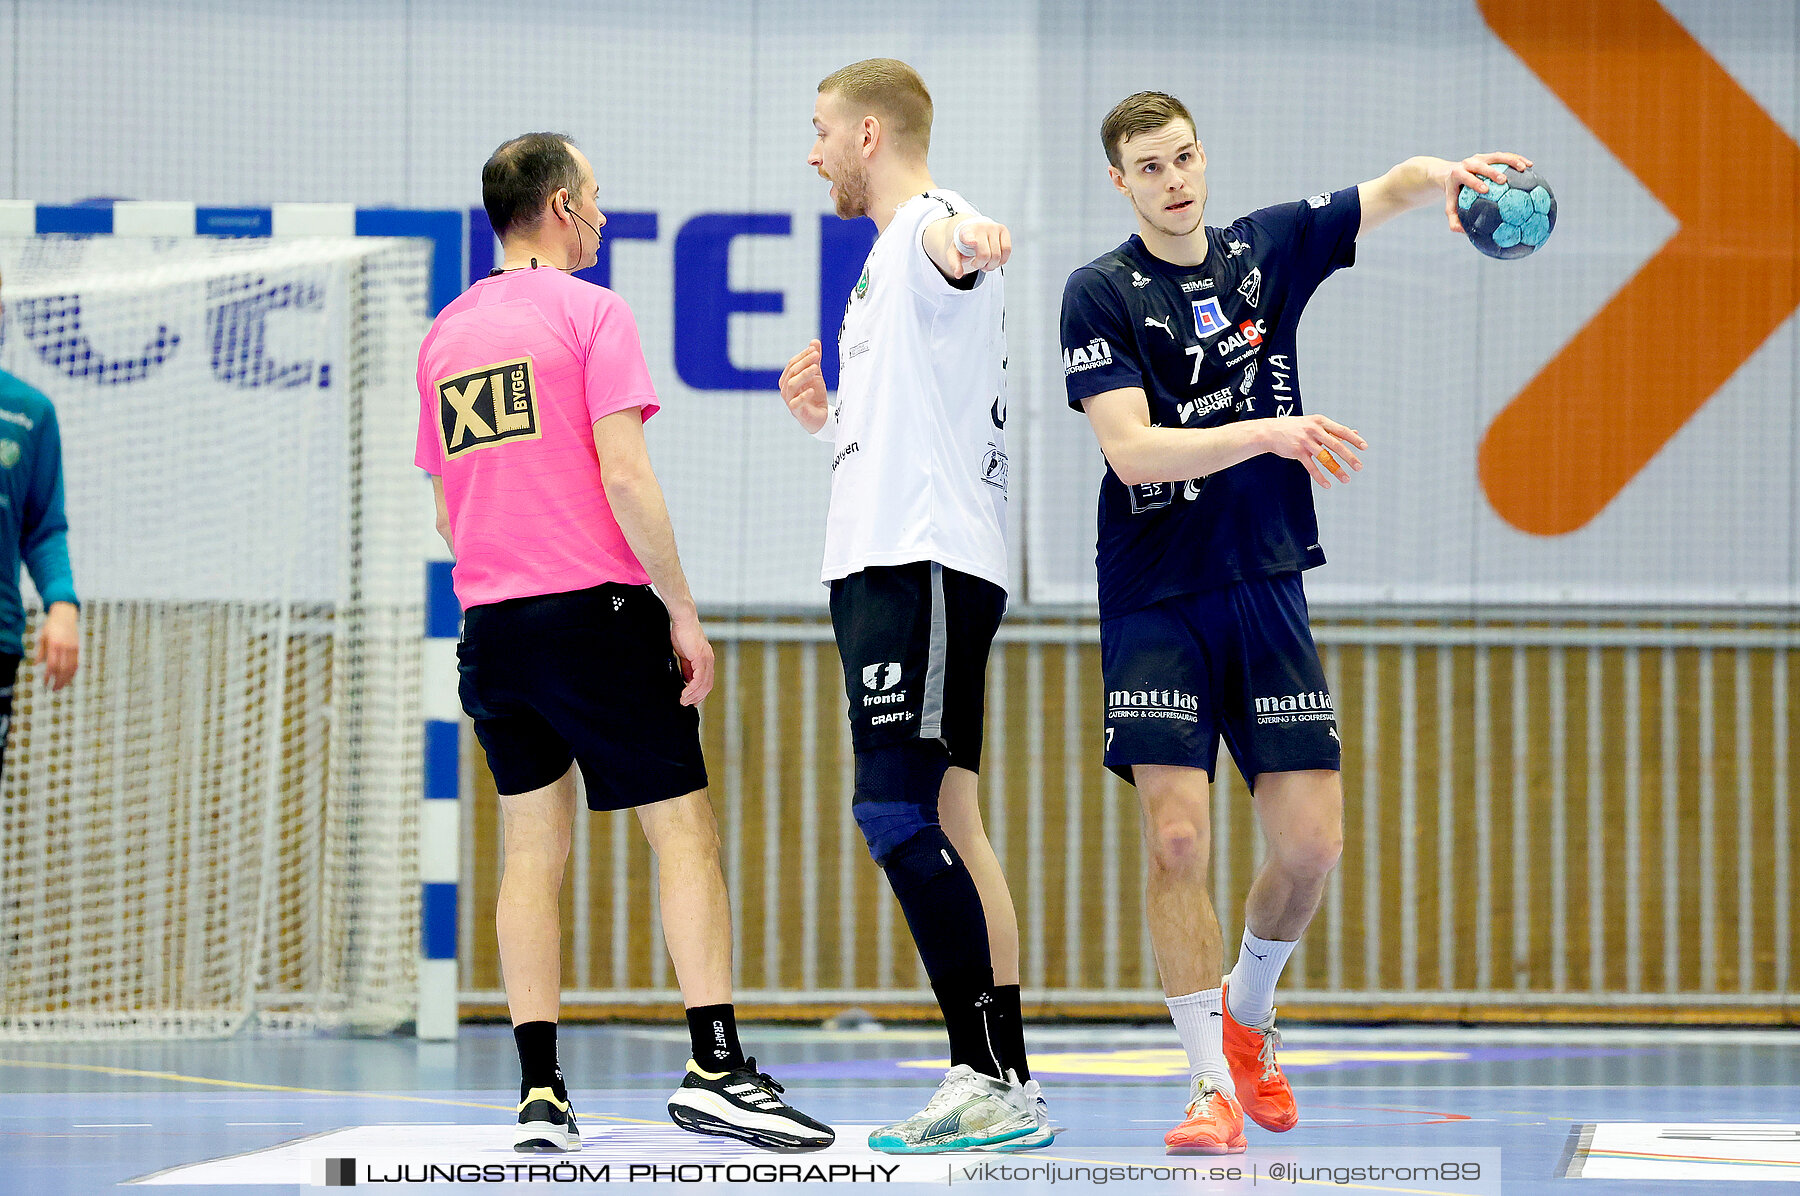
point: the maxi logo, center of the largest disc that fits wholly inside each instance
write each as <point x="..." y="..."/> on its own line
<point x="488" y="406"/>
<point x="1092" y="356"/>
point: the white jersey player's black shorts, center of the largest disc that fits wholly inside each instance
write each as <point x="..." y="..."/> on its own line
<point x="914" y="643"/>
<point x="588" y="676"/>
<point x="1237" y="660"/>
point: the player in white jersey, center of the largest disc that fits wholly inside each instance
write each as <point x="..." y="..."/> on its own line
<point x="915" y="555"/>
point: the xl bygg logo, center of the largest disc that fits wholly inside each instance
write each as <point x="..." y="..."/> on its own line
<point x="1566" y="446"/>
<point x="488" y="406"/>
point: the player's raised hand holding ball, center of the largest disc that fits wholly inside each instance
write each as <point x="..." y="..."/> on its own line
<point x="1503" y="205"/>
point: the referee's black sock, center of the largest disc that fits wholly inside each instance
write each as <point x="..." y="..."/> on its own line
<point x="1009" y="1030"/>
<point x="712" y="1031"/>
<point x="537" y="1058"/>
<point x="943" y="909"/>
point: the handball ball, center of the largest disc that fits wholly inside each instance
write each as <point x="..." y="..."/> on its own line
<point x="1513" y="218"/>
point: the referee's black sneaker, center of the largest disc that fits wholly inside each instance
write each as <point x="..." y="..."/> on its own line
<point x="546" y="1124"/>
<point x="742" y="1104"/>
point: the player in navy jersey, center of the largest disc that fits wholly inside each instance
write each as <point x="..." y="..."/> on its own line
<point x="1179" y="346"/>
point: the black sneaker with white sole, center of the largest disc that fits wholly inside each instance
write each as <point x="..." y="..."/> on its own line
<point x="742" y="1104"/>
<point x="546" y="1124"/>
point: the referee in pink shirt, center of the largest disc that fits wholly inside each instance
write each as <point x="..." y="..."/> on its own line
<point x="533" y="394"/>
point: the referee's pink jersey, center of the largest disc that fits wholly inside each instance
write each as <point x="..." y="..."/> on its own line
<point x="512" y="378"/>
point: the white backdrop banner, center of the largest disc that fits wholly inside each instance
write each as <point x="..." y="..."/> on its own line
<point x="696" y="115"/>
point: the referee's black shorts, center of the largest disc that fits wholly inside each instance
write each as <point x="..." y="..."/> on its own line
<point x="914" y="642"/>
<point x="589" y="677"/>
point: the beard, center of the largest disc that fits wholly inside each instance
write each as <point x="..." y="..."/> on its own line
<point x="851" y="198"/>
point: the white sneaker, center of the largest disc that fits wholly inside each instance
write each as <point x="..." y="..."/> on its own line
<point x="1031" y="1097"/>
<point x="969" y="1111"/>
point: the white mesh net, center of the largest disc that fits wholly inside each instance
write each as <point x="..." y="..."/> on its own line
<point x="214" y="824"/>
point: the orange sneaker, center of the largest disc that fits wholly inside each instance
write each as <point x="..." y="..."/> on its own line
<point x="1261" y="1086"/>
<point x="1214" y="1125"/>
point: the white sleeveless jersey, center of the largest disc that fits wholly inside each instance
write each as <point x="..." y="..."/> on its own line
<point x="919" y="470"/>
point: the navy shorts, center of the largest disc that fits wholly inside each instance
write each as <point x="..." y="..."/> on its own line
<point x="914" y="640"/>
<point x="1237" y="661"/>
<point x="589" y="677"/>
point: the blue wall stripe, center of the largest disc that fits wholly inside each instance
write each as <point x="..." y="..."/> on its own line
<point x="444" y="228"/>
<point x="481" y="244"/>
<point x="437" y="919"/>
<point x="443" y="759"/>
<point x="443" y="615"/>
<point x="234" y="222"/>
<point x="74" y="219"/>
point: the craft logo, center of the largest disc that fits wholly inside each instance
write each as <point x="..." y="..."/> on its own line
<point x="488" y="406"/>
<point x="1251" y="287"/>
<point x="1091" y="356"/>
<point x="1209" y="319"/>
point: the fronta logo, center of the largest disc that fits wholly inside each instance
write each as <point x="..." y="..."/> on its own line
<point x="1090" y="356"/>
<point x="880" y="677"/>
<point x="488" y="406"/>
<point x="1209" y="318"/>
<point x="1251" y="287"/>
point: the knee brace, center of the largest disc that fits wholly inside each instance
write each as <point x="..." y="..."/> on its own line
<point x="897" y="794"/>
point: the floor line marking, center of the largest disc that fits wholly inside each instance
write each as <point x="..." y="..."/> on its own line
<point x="98" y="1069"/>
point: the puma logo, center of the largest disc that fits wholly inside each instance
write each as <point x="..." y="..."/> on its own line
<point x="1162" y="324"/>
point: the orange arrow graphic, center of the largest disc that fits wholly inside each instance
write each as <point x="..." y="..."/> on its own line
<point x="1594" y="416"/>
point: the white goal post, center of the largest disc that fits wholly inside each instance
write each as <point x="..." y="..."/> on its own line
<point x="217" y="825"/>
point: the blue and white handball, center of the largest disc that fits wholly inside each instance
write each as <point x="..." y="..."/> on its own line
<point x="1513" y="218"/>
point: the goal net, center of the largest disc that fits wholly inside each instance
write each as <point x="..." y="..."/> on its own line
<point x="214" y="826"/>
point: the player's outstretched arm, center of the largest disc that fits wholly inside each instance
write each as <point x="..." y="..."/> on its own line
<point x="960" y="245"/>
<point x="803" y="388"/>
<point x="1140" y="454"/>
<point x="1417" y="181"/>
<point x="637" y="503"/>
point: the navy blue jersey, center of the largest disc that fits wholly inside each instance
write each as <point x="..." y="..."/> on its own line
<point x="1209" y="345"/>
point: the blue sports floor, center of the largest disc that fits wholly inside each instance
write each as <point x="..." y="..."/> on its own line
<point x="1557" y="1110"/>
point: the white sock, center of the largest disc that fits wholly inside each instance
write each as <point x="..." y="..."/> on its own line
<point x="1259" y="965"/>
<point x="1199" y="1022"/>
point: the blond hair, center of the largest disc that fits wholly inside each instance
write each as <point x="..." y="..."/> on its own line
<point x="889" y="90"/>
<point x="1143" y="112"/>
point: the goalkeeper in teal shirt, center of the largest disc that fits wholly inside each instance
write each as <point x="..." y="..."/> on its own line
<point x="33" y="531"/>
